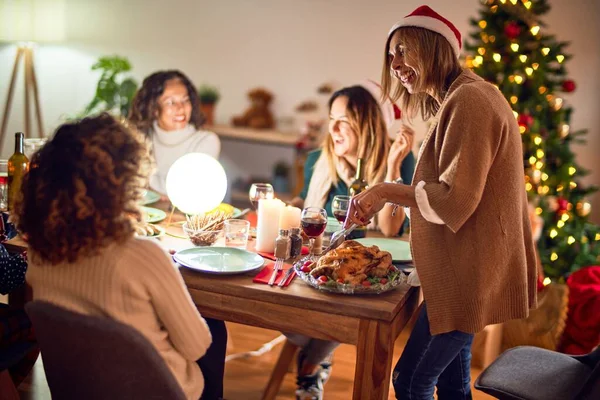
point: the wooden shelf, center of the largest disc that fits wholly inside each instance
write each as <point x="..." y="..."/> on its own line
<point x="266" y="136"/>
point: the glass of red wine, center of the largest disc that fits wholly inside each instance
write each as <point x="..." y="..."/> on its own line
<point x="339" y="206"/>
<point x="260" y="191"/>
<point x="313" y="221"/>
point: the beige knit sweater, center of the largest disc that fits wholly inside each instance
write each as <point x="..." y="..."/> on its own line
<point x="134" y="283"/>
<point x="478" y="268"/>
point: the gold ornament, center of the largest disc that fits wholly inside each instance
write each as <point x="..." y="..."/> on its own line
<point x="564" y="130"/>
<point x="583" y="208"/>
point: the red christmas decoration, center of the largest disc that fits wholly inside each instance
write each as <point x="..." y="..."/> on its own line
<point x="512" y="30"/>
<point x="563" y="205"/>
<point x="525" y="120"/>
<point x="569" y="86"/>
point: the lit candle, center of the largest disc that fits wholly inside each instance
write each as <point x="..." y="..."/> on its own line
<point x="290" y="217"/>
<point x="267" y="224"/>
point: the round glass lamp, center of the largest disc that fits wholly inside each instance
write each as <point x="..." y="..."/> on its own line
<point x="196" y="183"/>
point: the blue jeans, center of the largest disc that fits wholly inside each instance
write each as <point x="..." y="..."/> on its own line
<point x="428" y="361"/>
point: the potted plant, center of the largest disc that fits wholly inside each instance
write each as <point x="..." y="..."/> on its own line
<point x="115" y="90"/>
<point x="209" y="95"/>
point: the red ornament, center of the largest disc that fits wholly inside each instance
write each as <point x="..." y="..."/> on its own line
<point x="569" y="86"/>
<point x="512" y="30"/>
<point x="563" y="204"/>
<point x="525" y="120"/>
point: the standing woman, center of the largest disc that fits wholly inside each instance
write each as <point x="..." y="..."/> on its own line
<point x="167" y="109"/>
<point x="470" y="231"/>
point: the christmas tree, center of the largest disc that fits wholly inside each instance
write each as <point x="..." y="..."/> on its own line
<point x="510" y="49"/>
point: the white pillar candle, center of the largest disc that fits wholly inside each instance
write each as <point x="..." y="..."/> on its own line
<point x="290" y="217"/>
<point x="267" y="224"/>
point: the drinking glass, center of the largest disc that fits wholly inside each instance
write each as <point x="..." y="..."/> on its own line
<point x="313" y="221"/>
<point x="3" y="185"/>
<point x="31" y="145"/>
<point x="260" y="191"/>
<point x="236" y="233"/>
<point x="339" y="206"/>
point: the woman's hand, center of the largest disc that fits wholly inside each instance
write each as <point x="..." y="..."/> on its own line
<point x="366" y="204"/>
<point x="400" y="148"/>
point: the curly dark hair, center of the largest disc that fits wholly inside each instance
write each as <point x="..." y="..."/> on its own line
<point x="145" y="103"/>
<point x="82" y="189"/>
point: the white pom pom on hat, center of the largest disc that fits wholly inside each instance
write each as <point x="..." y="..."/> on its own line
<point x="390" y="110"/>
<point x="425" y="17"/>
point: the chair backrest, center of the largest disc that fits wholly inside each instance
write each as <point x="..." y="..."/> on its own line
<point x="88" y="357"/>
<point x="591" y="388"/>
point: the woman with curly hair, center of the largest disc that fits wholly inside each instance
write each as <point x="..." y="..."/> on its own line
<point x="77" y="213"/>
<point x="167" y="109"/>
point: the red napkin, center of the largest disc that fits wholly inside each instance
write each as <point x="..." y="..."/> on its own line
<point x="265" y="274"/>
<point x="271" y="256"/>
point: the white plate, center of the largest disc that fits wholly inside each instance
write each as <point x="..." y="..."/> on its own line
<point x="219" y="260"/>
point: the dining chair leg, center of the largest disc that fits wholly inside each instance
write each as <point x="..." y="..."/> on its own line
<point x="281" y="368"/>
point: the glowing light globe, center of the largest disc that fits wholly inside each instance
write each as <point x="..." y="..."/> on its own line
<point x="196" y="183"/>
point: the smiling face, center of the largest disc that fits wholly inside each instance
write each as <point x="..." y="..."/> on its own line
<point x="344" y="137"/>
<point x="404" y="64"/>
<point x="174" y="106"/>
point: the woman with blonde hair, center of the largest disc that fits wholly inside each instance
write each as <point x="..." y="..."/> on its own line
<point x="359" y="122"/>
<point x="470" y="231"/>
<point x="359" y="125"/>
<point x="77" y="214"/>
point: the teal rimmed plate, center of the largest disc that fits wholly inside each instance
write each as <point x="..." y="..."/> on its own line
<point x="400" y="250"/>
<point x="150" y="197"/>
<point x="153" y="215"/>
<point x="219" y="260"/>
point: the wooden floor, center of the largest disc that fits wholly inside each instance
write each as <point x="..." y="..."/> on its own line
<point x="245" y="379"/>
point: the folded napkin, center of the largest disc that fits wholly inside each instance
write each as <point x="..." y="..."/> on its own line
<point x="265" y="274"/>
<point x="271" y="256"/>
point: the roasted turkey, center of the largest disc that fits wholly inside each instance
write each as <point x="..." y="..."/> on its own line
<point x="353" y="263"/>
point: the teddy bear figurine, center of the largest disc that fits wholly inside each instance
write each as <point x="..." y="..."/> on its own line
<point x="258" y="115"/>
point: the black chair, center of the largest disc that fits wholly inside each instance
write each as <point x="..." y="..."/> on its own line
<point x="87" y="357"/>
<point x="532" y="373"/>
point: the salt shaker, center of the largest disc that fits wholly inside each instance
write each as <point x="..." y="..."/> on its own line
<point x="283" y="244"/>
<point x="296" y="241"/>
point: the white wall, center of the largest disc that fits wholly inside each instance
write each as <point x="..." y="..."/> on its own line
<point x="289" y="46"/>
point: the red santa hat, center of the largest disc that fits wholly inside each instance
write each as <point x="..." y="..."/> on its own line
<point x="390" y="110"/>
<point x="425" y="17"/>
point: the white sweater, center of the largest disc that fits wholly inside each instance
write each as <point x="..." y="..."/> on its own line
<point x="168" y="146"/>
<point x="134" y="283"/>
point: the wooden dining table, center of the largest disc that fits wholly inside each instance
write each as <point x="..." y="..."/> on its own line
<point x="370" y="322"/>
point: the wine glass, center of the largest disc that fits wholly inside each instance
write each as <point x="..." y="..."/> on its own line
<point x="313" y="221"/>
<point x="260" y="191"/>
<point x="339" y="206"/>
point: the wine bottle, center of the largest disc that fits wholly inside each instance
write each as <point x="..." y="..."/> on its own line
<point x="358" y="185"/>
<point x="18" y="164"/>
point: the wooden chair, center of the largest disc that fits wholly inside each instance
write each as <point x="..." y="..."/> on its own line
<point x="284" y="364"/>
